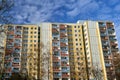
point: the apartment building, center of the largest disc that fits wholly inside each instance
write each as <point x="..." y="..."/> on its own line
<point x="61" y="51"/>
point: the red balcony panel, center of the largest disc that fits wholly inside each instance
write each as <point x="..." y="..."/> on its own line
<point x="16" y="64"/>
<point x="62" y="26"/>
<point x="62" y="35"/>
<point x="56" y="69"/>
<point x="62" y="54"/>
<point x="10" y="40"/>
<point x="18" y="36"/>
<point x="11" y="32"/>
<point x="63" y="64"/>
<point x="55" y="48"/>
<point x="8" y="70"/>
<point x="56" y="59"/>
<point x="63" y="44"/>
<point x="65" y="75"/>
<point x="55" y="40"/>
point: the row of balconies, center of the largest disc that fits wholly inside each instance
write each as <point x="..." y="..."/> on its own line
<point x="18" y="27"/>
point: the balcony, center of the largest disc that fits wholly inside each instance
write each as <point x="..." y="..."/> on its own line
<point x="110" y="24"/>
<point x="63" y="49"/>
<point x="56" y="59"/>
<point x="114" y="49"/>
<point x="16" y="60"/>
<point x="18" y="40"/>
<point x="17" y="50"/>
<point x="16" y="55"/>
<point x="63" y="35"/>
<point x="112" y="34"/>
<point x="56" y="75"/>
<point x="55" y="30"/>
<point x="107" y="65"/>
<point x="102" y="29"/>
<point x="103" y="34"/>
<point x="65" y="59"/>
<point x="56" y="48"/>
<point x="18" y="32"/>
<point x="56" y="69"/>
<point x="105" y="49"/>
<point x="113" y="39"/>
<point x="102" y="24"/>
<point x="64" y="64"/>
<point x="10" y="36"/>
<point x="16" y="64"/>
<point x="104" y="38"/>
<point x="9" y="40"/>
<point x="55" y="40"/>
<point x="15" y="70"/>
<point x="65" y="75"/>
<point x="111" y="30"/>
<point x="8" y="70"/>
<point x="62" y="27"/>
<point x="64" y="40"/>
<point x="17" y="45"/>
<point x="9" y="50"/>
<point x="55" y="64"/>
<point x="65" y="69"/>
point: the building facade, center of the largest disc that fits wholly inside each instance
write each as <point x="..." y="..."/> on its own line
<point x="61" y="51"/>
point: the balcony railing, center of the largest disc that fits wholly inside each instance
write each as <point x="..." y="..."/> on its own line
<point x="65" y="75"/>
<point x="63" y="44"/>
<point x="55" y="30"/>
<point x="18" y="36"/>
<point x="56" y="69"/>
<point x="114" y="49"/>
<point x="64" y="54"/>
<point x="56" y="59"/>
<point x="11" y="32"/>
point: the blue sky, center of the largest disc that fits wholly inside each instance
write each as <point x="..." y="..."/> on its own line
<point x="36" y="11"/>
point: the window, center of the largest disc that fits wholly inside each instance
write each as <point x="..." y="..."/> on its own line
<point x="78" y="30"/>
<point x="74" y="26"/>
<point x="75" y="34"/>
<point x="75" y="30"/>
<point x="76" y="39"/>
<point x="34" y="40"/>
<point x="76" y="43"/>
